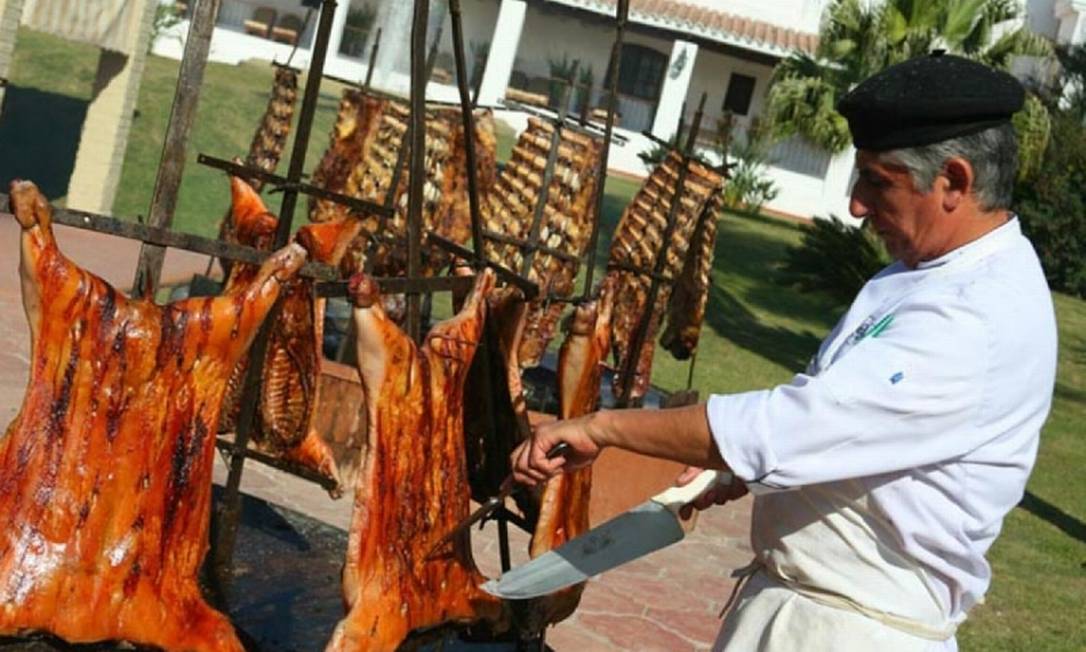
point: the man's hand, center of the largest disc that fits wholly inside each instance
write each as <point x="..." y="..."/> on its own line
<point x="529" y="460"/>
<point x="717" y="495"/>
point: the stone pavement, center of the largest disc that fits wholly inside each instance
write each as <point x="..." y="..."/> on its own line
<point x="668" y="601"/>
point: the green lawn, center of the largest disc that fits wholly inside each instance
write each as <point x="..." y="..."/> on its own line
<point x="757" y="332"/>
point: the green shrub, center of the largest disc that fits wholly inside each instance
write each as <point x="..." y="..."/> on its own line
<point x="1052" y="206"/>
<point x="834" y="257"/>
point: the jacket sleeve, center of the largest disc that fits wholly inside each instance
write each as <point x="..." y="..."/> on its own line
<point x="906" y="397"/>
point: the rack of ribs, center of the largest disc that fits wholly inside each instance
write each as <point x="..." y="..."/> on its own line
<point x="636" y="245"/>
<point x="445" y="207"/>
<point x="563" y="511"/>
<point x="566" y="225"/>
<point x="357" y="120"/>
<point x="290" y="377"/>
<point x="690" y="293"/>
<point x="269" y="140"/>
<point x="412" y="485"/>
<point x="105" y="474"/>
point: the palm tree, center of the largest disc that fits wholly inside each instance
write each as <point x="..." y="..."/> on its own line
<point x="859" y="38"/>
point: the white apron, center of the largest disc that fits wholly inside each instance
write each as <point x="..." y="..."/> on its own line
<point x="829" y="574"/>
<point x="832" y="579"/>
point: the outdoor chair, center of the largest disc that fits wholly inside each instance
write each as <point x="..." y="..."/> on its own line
<point x="261" y="23"/>
<point x="289" y="28"/>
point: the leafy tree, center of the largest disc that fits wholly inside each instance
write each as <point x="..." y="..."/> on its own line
<point x="857" y="39"/>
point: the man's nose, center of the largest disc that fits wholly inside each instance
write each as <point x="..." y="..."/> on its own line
<point x="857" y="206"/>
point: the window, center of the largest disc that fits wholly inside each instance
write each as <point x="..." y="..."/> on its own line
<point x="740" y="92"/>
<point x="641" y="74"/>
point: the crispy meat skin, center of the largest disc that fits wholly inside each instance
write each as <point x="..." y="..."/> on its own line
<point x="566" y="226"/>
<point x="412" y="487"/>
<point x="361" y="160"/>
<point x="563" y="512"/>
<point x="105" y="474"/>
<point x="637" y="242"/>
<point x="290" y="378"/>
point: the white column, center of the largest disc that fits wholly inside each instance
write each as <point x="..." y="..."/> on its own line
<point x="102" y="145"/>
<point x="837" y="185"/>
<point x="339" y="21"/>
<point x="676" y="83"/>
<point x="10" y="10"/>
<point x="1071" y="15"/>
<point x="503" y="51"/>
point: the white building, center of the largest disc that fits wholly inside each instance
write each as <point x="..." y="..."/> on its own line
<point x="675" y="51"/>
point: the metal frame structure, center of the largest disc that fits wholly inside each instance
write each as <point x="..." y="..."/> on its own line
<point x="156" y="234"/>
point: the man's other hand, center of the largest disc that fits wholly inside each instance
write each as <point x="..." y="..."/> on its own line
<point x="529" y="461"/>
<point x="717" y="495"/>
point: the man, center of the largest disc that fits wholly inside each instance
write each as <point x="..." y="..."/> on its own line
<point x="882" y="474"/>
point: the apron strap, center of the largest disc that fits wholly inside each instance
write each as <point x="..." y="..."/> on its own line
<point x="825" y="598"/>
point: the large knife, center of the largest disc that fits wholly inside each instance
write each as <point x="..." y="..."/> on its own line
<point x="650" y="526"/>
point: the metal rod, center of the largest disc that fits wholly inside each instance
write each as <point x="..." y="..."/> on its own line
<point x="529" y="289"/>
<point x="526" y="245"/>
<point x="640" y="333"/>
<point x="164" y="237"/>
<point x="251" y="172"/>
<point x="690" y="371"/>
<point x="373" y="59"/>
<point x="298" y="39"/>
<point x="418" y="158"/>
<point x="545" y="185"/>
<point x="503" y="543"/>
<point x="279" y="463"/>
<point x="571" y="124"/>
<point x="468" y="119"/>
<point x="230" y="511"/>
<point x="622" y="15"/>
<point x="400" y="285"/>
<point x="171" y="164"/>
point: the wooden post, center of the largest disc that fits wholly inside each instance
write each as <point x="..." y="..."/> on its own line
<point x="172" y="162"/>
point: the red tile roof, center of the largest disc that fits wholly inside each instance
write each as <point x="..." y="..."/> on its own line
<point x="708" y="23"/>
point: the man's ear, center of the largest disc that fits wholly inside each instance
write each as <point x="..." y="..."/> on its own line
<point x="959" y="176"/>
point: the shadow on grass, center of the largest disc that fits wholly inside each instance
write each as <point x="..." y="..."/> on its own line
<point x="39" y="136"/>
<point x="1045" y="510"/>
<point x="1068" y="393"/>
<point x="734" y="321"/>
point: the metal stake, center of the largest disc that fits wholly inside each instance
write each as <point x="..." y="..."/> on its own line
<point x="171" y="164"/>
<point x="373" y="60"/>
<point x="230" y="510"/>
<point x="612" y="100"/>
<point x="418" y="158"/>
<point x="640" y="333"/>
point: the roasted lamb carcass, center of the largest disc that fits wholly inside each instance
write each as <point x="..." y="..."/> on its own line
<point x="563" y="512"/>
<point x="566" y="225"/>
<point x="637" y="243"/>
<point x="105" y="474"/>
<point x="412" y="486"/>
<point x="290" y="376"/>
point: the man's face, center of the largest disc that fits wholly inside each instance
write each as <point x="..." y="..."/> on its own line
<point x="904" y="217"/>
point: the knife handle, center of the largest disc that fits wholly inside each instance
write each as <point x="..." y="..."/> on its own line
<point x="675" y="497"/>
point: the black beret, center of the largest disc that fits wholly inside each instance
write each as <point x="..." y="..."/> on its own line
<point x="927" y="100"/>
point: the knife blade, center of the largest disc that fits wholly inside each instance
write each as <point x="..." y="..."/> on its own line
<point x="650" y="526"/>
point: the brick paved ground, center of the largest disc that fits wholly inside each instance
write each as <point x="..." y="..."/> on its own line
<point x="668" y="601"/>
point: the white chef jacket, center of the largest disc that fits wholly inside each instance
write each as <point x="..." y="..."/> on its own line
<point x="925" y="402"/>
